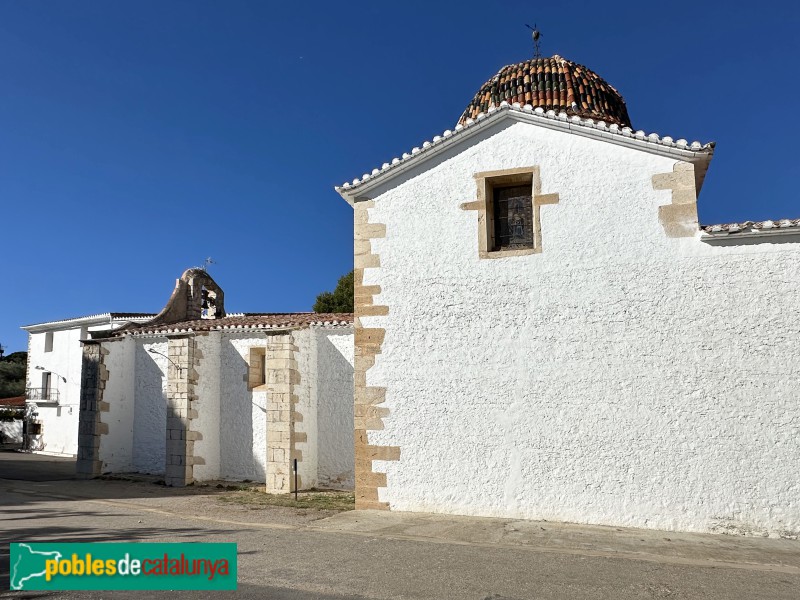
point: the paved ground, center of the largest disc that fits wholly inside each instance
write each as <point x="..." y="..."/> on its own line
<point x="288" y="554"/>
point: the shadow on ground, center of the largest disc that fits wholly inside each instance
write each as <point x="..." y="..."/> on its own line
<point x="25" y="466"/>
<point x="56" y="475"/>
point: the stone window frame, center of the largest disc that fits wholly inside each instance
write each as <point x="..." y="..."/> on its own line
<point x="486" y="183"/>
<point x="256" y="371"/>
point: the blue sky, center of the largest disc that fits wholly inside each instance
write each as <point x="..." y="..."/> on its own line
<point x="138" y="138"/>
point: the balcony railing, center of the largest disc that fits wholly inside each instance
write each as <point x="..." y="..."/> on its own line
<point x="41" y="395"/>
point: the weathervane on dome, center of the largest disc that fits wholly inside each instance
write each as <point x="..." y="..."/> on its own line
<point x="535" y="35"/>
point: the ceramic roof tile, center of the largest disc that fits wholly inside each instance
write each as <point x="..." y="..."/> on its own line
<point x="552" y="84"/>
<point x="13" y="401"/>
<point x="246" y="321"/>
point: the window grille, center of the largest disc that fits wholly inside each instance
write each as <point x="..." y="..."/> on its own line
<point x="513" y="218"/>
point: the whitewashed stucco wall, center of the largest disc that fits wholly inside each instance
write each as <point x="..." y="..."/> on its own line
<point x="116" y="449"/>
<point x="150" y="414"/>
<point x="620" y="377"/>
<point x="230" y="418"/>
<point x="243" y="421"/>
<point x="59" y="423"/>
<point x="334" y="384"/>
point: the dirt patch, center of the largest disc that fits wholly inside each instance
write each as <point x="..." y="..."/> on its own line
<point x="327" y="500"/>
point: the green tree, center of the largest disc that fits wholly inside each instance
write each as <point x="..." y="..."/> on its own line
<point x="339" y="300"/>
<point x="16" y="357"/>
<point x="12" y="375"/>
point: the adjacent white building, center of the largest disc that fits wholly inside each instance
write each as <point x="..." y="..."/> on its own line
<point x="544" y="331"/>
<point x="54" y="376"/>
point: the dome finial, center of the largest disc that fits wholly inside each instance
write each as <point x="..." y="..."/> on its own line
<point x="535" y="35"/>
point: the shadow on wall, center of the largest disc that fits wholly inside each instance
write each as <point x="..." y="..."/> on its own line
<point x="150" y="413"/>
<point x="237" y="460"/>
<point x="336" y="460"/>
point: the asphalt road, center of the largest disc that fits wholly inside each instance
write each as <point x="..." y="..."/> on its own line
<point x="35" y="467"/>
<point x="298" y="555"/>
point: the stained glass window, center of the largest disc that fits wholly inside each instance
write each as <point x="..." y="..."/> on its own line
<point x="513" y="218"/>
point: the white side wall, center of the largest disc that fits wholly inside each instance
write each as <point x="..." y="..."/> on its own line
<point x="230" y="418"/>
<point x="333" y="370"/>
<point x="620" y="377"/>
<point x="11" y="431"/>
<point x="116" y="446"/>
<point x="243" y="421"/>
<point x="59" y="423"/>
<point x="150" y="415"/>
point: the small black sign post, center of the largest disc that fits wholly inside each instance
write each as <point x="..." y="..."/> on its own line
<point x="295" y="480"/>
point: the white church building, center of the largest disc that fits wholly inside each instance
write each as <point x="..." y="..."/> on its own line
<point x="543" y="330"/>
<point x="194" y="394"/>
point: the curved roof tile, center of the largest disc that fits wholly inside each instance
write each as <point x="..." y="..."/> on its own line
<point x="553" y="84"/>
<point x="244" y="321"/>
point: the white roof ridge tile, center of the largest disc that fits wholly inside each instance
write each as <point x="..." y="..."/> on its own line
<point x="538" y="112"/>
<point x="750" y="226"/>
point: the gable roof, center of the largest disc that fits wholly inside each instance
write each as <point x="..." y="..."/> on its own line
<point x="696" y="153"/>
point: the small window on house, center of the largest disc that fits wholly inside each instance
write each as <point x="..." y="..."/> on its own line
<point x="513" y="218"/>
<point x="48" y="341"/>
<point x="257" y="369"/>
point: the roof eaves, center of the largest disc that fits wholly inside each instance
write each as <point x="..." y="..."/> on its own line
<point x="88" y="320"/>
<point x="663" y="145"/>
<point x="72" y="321"/>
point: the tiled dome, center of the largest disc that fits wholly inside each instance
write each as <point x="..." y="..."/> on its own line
<point x="552" y="83"/>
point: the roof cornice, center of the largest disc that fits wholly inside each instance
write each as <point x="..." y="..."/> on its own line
<point x="696" y="153"/>
<point x="87" y="320"/>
